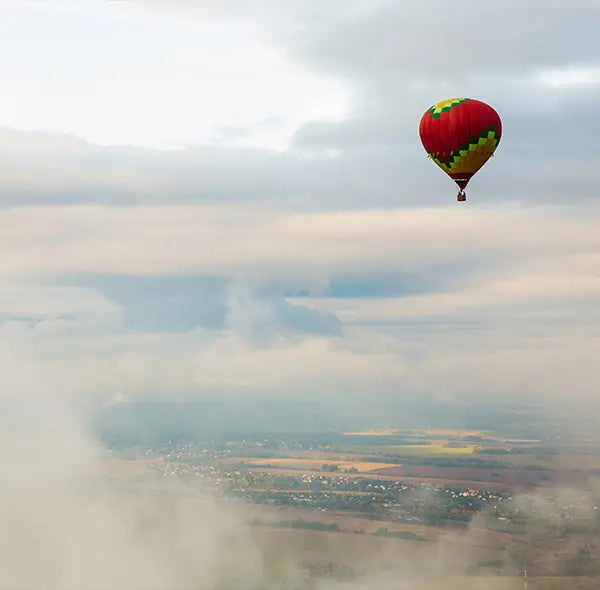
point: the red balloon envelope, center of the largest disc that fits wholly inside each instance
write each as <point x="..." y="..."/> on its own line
<point x="460" y="135"/>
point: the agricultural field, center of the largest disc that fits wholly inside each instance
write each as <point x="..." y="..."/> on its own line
<point x="369" y="554"/>
<point x="524" y="478"/>
<point x="442" y="562"/>
<point x="492" y="461"/>
<point x="312" y="464"/>
<point x="563" y="459"/>
<point x="348" y="522"/>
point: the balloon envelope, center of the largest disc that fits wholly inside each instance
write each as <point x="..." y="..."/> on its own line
<point x="460" y="135"/>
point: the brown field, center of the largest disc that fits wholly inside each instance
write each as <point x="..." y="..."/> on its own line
<point x="310" y="455"/>
<point x="560" y="461"/>
<point x="437" y="447"/>
<point x="528" y="459"/>
<point x="507" y="477"/>
<point x="395" y="562"/>
<point x="366" y="554"/>
<point x="324" y="456"/>
<point x="312" y="464"/>
<point x="348" y="521"/>
<point x="441" y="561"/>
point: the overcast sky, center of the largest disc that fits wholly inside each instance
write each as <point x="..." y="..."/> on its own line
<point x="231" y="197"/>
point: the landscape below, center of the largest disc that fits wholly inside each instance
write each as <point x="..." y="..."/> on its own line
<point x="513" y="504"/>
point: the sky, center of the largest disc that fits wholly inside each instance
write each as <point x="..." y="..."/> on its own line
<point x="231" y="198"/>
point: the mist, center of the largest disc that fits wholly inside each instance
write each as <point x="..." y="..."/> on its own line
<point x="66" y="525"/>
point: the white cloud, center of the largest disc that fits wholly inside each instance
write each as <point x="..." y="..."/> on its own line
<point x="482" y="279"/>
<point x="255" y="241"/>
<point x="529" y="288"/>
<point x="68" y="526"/>
<point x="116" y="74"/>
<point x="33" y="301"/>
<point x="512" y="360"/>
<point x="570" y="76"/>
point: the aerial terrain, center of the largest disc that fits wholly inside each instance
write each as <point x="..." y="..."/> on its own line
<point x="509" y="500"/>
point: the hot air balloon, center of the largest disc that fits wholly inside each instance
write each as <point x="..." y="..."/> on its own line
<point x="460" y="135"/>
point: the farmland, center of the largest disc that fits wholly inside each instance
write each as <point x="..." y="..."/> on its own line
<point x="312" y="464"/>
<point x="506" y="477"/>
<point x="441" y="456"/>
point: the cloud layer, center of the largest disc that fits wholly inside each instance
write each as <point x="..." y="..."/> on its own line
<point x="204" y="300"/>
<point x="337" y="263"/>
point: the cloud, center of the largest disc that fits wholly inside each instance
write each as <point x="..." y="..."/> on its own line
<point x="418" y="38"/>
<point x="261" y="317"/>
<point x="404" y="57"/>
<point x="96" y="535"/>
<point x="255" y="243"/>
<point x="411" y="302"/>
<point x="393" y="62"/>
<point x="175" y="303"/>
<point x="161" y="82"/>
<point x="193" y="268"/>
